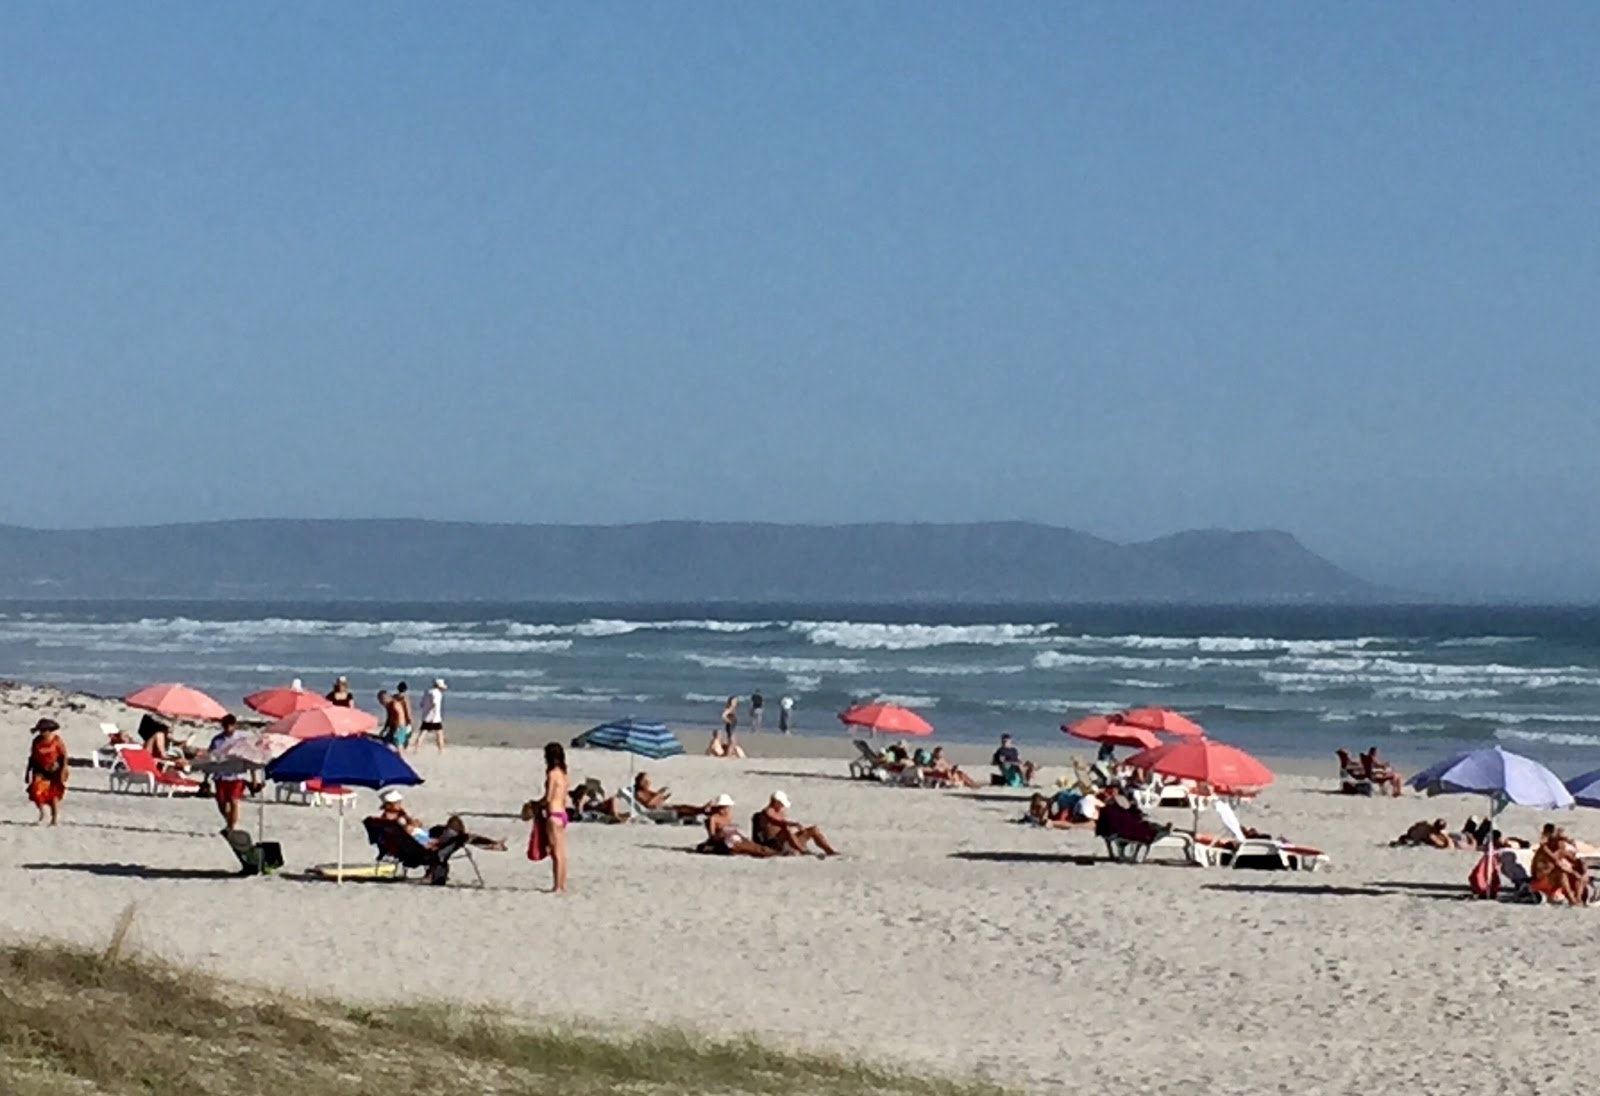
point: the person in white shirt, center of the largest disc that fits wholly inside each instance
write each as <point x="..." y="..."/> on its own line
<point x="432" y="715"/>
<point x="785" y="713"/>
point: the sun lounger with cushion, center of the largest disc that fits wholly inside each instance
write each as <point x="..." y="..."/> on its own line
<point x="1241" y="851"/>
<point x="137" y="771"/>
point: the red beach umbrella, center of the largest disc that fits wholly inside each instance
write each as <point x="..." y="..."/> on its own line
<point x="177" y="701"/>
<point x="1111" y="731"/>
<point x="886" y="718"/>
<point x="1164" y="720"/>
<point x="284" y="700"/>
<point x="1227" y="769"/>
<point x="328" y="722"/>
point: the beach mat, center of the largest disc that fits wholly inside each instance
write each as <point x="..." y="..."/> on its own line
<point x="355" y="871"/>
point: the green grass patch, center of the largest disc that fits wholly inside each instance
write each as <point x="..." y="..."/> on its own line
<point x="105" y="1024"/>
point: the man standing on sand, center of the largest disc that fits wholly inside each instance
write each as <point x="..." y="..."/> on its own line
<point x="785" y="713"/>
<point x="756" y="704"/>
<point x="432" y="715"/>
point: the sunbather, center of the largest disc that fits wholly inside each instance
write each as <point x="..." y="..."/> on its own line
<point x="1352" y="775"/>
<point x="1558" y="874"/>
<point x="772" y="828"/>
<point x="1013" y="770"/>
<point x="724" y="838"/>
<point x="1378" y="771"/>
<point x="942" y="771"/>
<point x="1435" y="834"/>
<point x="1045" y="812"/>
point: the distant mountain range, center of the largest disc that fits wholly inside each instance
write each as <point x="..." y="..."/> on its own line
<point x="664" y="562"/>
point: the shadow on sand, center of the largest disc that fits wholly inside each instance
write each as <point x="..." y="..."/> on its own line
<point x="1008" y="856"/>
<point x="138" y="871"/>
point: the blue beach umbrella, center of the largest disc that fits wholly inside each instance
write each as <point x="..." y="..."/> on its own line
<point x="1585" y="789"/>
<point x="351" y="761"/>
<point x="643" y="738"/>
<point x="1501" y="775"/>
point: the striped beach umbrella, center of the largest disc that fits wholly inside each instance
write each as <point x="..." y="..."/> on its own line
<point x="643" y="738"/>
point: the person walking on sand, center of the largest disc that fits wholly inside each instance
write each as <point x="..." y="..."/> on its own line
<point x="555" y="812"/>
<point x="394" y="733"/>
<point x="45" y="776"/>
<point x="402" y="702"/>
<point x="433" y="714"/>
<point x="786" y="714"/>
<point x="229" y="790"/>
<point x="757" y="702"/>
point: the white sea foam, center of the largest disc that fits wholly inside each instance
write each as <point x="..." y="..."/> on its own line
<point x="956" y="669"/>
<point x="1485" y="641"/>
<point x="1409" y="692"/>
<point x="605" y="628"/>
<point x="1053" y="706"/>
<point x="1554" y="738"/>
<point x="780" y="665"/>
<point x="916" y="637"/>
<point x="905" y="700"/>
<point x="473" y="645"/>
<point x="1141" y="683"/>
<point x="803" y="683"/>
<point x="705" y="698"/>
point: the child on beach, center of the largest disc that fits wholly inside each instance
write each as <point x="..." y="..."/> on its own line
<point x="46" y="772"/>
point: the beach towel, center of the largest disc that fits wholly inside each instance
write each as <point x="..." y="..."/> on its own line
<point x="1485" y="878"/>
<point x="538" y="841"/>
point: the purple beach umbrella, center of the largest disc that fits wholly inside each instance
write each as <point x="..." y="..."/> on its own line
<point x="1503" y="776"/>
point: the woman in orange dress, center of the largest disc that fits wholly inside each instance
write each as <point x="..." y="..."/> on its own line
<point x="46" y="776"/>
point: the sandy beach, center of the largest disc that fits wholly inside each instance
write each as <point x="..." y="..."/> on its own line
<point x="947" y="936"/>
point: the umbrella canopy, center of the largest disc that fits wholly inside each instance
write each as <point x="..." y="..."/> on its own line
<point x="1503" y="776"/>
<point x="329" y="722"/>
<point x="1585" y="789"/>
<point x="886" y="718"/>
<point x="1164" y="720"/>
<point x="348" y="762"/>
<point x="1225" y="768"/>
<point x="177" y="701"/>
<point x="253" y="750"/>
<point x="285" y="700"/>
<point x="1111" y="731"/>
<point x="345" y="762"/>
<point x="635" y="736"/>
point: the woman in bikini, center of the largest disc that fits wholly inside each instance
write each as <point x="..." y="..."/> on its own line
<point x="555" y="808"/>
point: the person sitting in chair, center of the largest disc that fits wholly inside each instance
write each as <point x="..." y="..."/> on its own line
<point x="943" y="771"/>
<point x="1013" y="770"/>
<point x="1378" y="771"/>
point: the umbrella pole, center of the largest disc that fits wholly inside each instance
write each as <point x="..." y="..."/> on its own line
<point x="340" y="875"/>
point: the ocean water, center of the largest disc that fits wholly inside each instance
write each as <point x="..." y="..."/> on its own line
<point x="1417" y="681"/>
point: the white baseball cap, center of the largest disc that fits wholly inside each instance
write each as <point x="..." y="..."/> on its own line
<point x="724" y="800"/>
<point x="438" y="683"/>
<point x="780" y="798"/>
<point x="393" y="795"/>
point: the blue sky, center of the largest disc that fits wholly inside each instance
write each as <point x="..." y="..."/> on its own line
<point x="1130" y="268"/>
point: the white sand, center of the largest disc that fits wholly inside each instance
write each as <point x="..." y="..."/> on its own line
<point x="948" y="937"/>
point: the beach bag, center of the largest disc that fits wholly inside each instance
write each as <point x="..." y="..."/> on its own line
<point x="538" y="842"/>
<point x="1485" y="878"/>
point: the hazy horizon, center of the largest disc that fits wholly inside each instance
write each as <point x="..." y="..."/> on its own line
<point x="1126" y="270"/>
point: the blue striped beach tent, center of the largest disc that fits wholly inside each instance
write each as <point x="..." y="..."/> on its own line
<point x="635" y="736"/>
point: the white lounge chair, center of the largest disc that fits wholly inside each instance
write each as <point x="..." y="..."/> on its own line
<point x="105" y="757"/>
<point x="1291" y="857"/>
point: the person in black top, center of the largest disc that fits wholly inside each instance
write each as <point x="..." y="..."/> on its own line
<point x="1008" y="760"/>
<point x="756" y="702"/>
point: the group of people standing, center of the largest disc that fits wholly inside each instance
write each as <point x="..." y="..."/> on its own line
<point x="400" y="728"/>
<point x="725" y="742"/>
